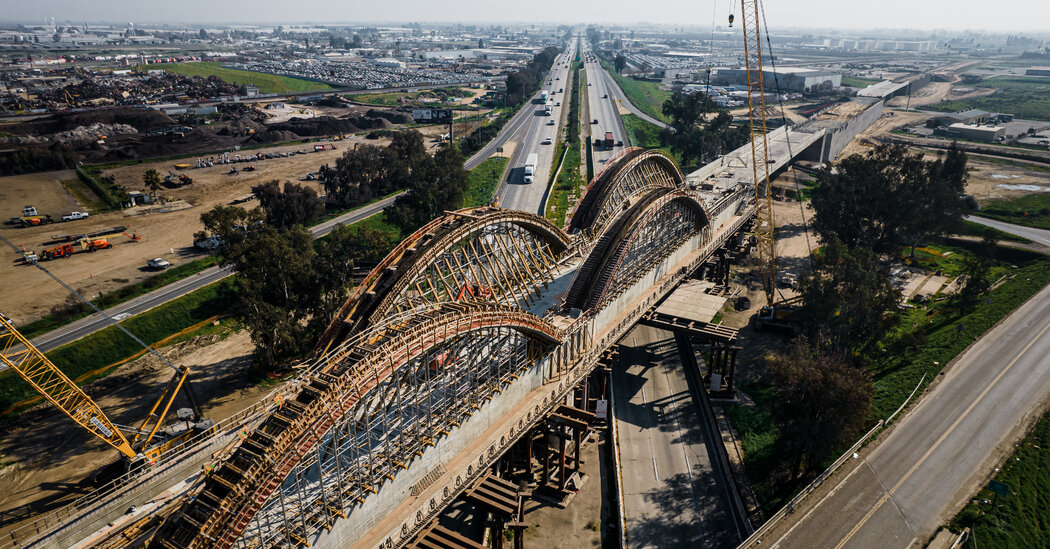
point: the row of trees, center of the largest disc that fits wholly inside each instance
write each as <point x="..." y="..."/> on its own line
<point x="867" y="208"/>
<point x="523" y="83"/>
<point x="367" y="172"/>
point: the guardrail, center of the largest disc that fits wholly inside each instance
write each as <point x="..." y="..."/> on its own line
<point x="787" y="509"/>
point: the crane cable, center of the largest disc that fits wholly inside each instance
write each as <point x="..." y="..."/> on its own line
<point x="784" y="121"/>
<point x="148" y="348"/>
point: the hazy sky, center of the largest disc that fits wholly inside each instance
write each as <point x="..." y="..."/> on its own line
<point x="1006" y="15"/>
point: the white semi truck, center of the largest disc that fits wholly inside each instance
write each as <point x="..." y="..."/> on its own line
<point x="530" y="167"/>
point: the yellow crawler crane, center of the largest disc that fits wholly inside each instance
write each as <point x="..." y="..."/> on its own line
<point x="35" y="368"/>
<point x="759" y="154"/>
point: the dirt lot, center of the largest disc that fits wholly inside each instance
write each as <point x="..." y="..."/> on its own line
<point x="934" y="92"/>
<point x="990" y="181"/>
<point x="889" y="121"/>
<point x="47" y="460"/>
<point x="166" y="234"/>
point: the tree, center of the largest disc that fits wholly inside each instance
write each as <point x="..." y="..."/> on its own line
<point x="691" y="135"/>
<point x="437" y="185"/>
<point x="820" y="406"/>
<point x="279" y="289"/>
<point x="231" y="225"/>
<point x="888" y="198"/>
<point x="297" y="205"/>
<point x="619" y="62"/>
<point x="203" y="34"/>
<point x="976" y="269"/>
<point x="151" y="179"/>
<point x="848" y="301"/>
<point x="356" y="41"/>
<point x="481" y="43"/>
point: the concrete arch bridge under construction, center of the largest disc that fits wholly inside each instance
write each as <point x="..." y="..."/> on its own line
<point x="465" y="337"/>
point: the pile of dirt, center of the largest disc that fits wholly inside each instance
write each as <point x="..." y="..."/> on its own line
<point x="273" y="136"/>
<point x="92" y="132"/>
<point x="320" y="125"/>
<point x="138" y="118"/>
<point x="395" y="117"/>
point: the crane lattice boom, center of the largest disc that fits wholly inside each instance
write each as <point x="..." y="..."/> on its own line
<point x="48" y="380"/>
<point x="759" y="146"/>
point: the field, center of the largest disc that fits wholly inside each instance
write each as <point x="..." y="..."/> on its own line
<point x="1025" y="98"/>
<point x="483" y="181"/>
<point x="1032" y="210"/>
<point x="166" y="230"/>
<point x="267" y="83"/>
<point x="649" y="97"/>
<point x="1019" y="518"/>
<point x="393" y="99"/>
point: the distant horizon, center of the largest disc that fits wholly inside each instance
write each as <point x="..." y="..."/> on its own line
<point x="944" y="15"/>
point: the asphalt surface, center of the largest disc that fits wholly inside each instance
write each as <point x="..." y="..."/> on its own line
<point x="528" y="136"/>
<point x="1042" y="236"/>
<point x="602" y="106"/>
<point x="672" y="496"/>
<point x="943" y="450"/>
<point x="617" y="94"/>
<point x="89" y="324"/>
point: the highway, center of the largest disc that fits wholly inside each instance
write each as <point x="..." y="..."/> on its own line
<point x="528" y="136"/>
<point x="602" y="106"/>
<point x="1042" y="236"/>
<point x="89" y="324"/>
<point x="672" y="496"/>
<point x="937" y="457"/>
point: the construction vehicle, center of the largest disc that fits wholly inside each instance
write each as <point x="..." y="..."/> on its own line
<point x="149" y="440"/>
<point x="776" y="316"/>
<point x="233" y="170"/>
<point x="248" y="168"/>
<point x="31" y="218"/>
<point x="62" y="250"/>
<point x="101" y="242"/>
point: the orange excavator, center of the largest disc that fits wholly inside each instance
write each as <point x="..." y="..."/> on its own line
<point x="102" y="242"/>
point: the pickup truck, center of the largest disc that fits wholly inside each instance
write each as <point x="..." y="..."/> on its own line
<point x="73" y="216"/>
<point x="158" y="263"/>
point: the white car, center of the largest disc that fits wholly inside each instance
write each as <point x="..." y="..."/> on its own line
<point x="72" y="216"/>
<point x="158" y="263"/>
<point x="548" y="141"/>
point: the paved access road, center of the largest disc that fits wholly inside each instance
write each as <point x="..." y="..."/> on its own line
<point x="943" y="450"/>
<point x="617" y="95"/>
<point x="1042" y="236"/>
<point x="672" y="497"/>
<point x="89" y="324"/>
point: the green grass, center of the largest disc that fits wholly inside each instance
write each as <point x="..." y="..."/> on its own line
<point x="87" y="198"/>
<point x="757" y="433"/>
<point x="969" y="228"/>
<point x="1020" y="519"/>
<point x="267" y="83"/>
<point x="943" y="332"/>
<point x="642" y="132"/>
<point x="859" y="82"/>
<point x="567" y="185"/>
<point x="924" y="343"/>
<point x="1026" y="98"/>
<point x="649" y="97"/>
<point x="95" y="355"/>
<point x="65" y="315"/>
<point x="1031" y="211"/>
<point x="483" y="181"/>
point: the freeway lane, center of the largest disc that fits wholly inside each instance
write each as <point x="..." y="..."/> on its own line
<point x="513" y="192"/>
<point x="941" y="452"/>
<point x="601" y="98"/>
<point x="89" y="324"/>
<point x="673" y="497"/>
<point x="617" y="94"/>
